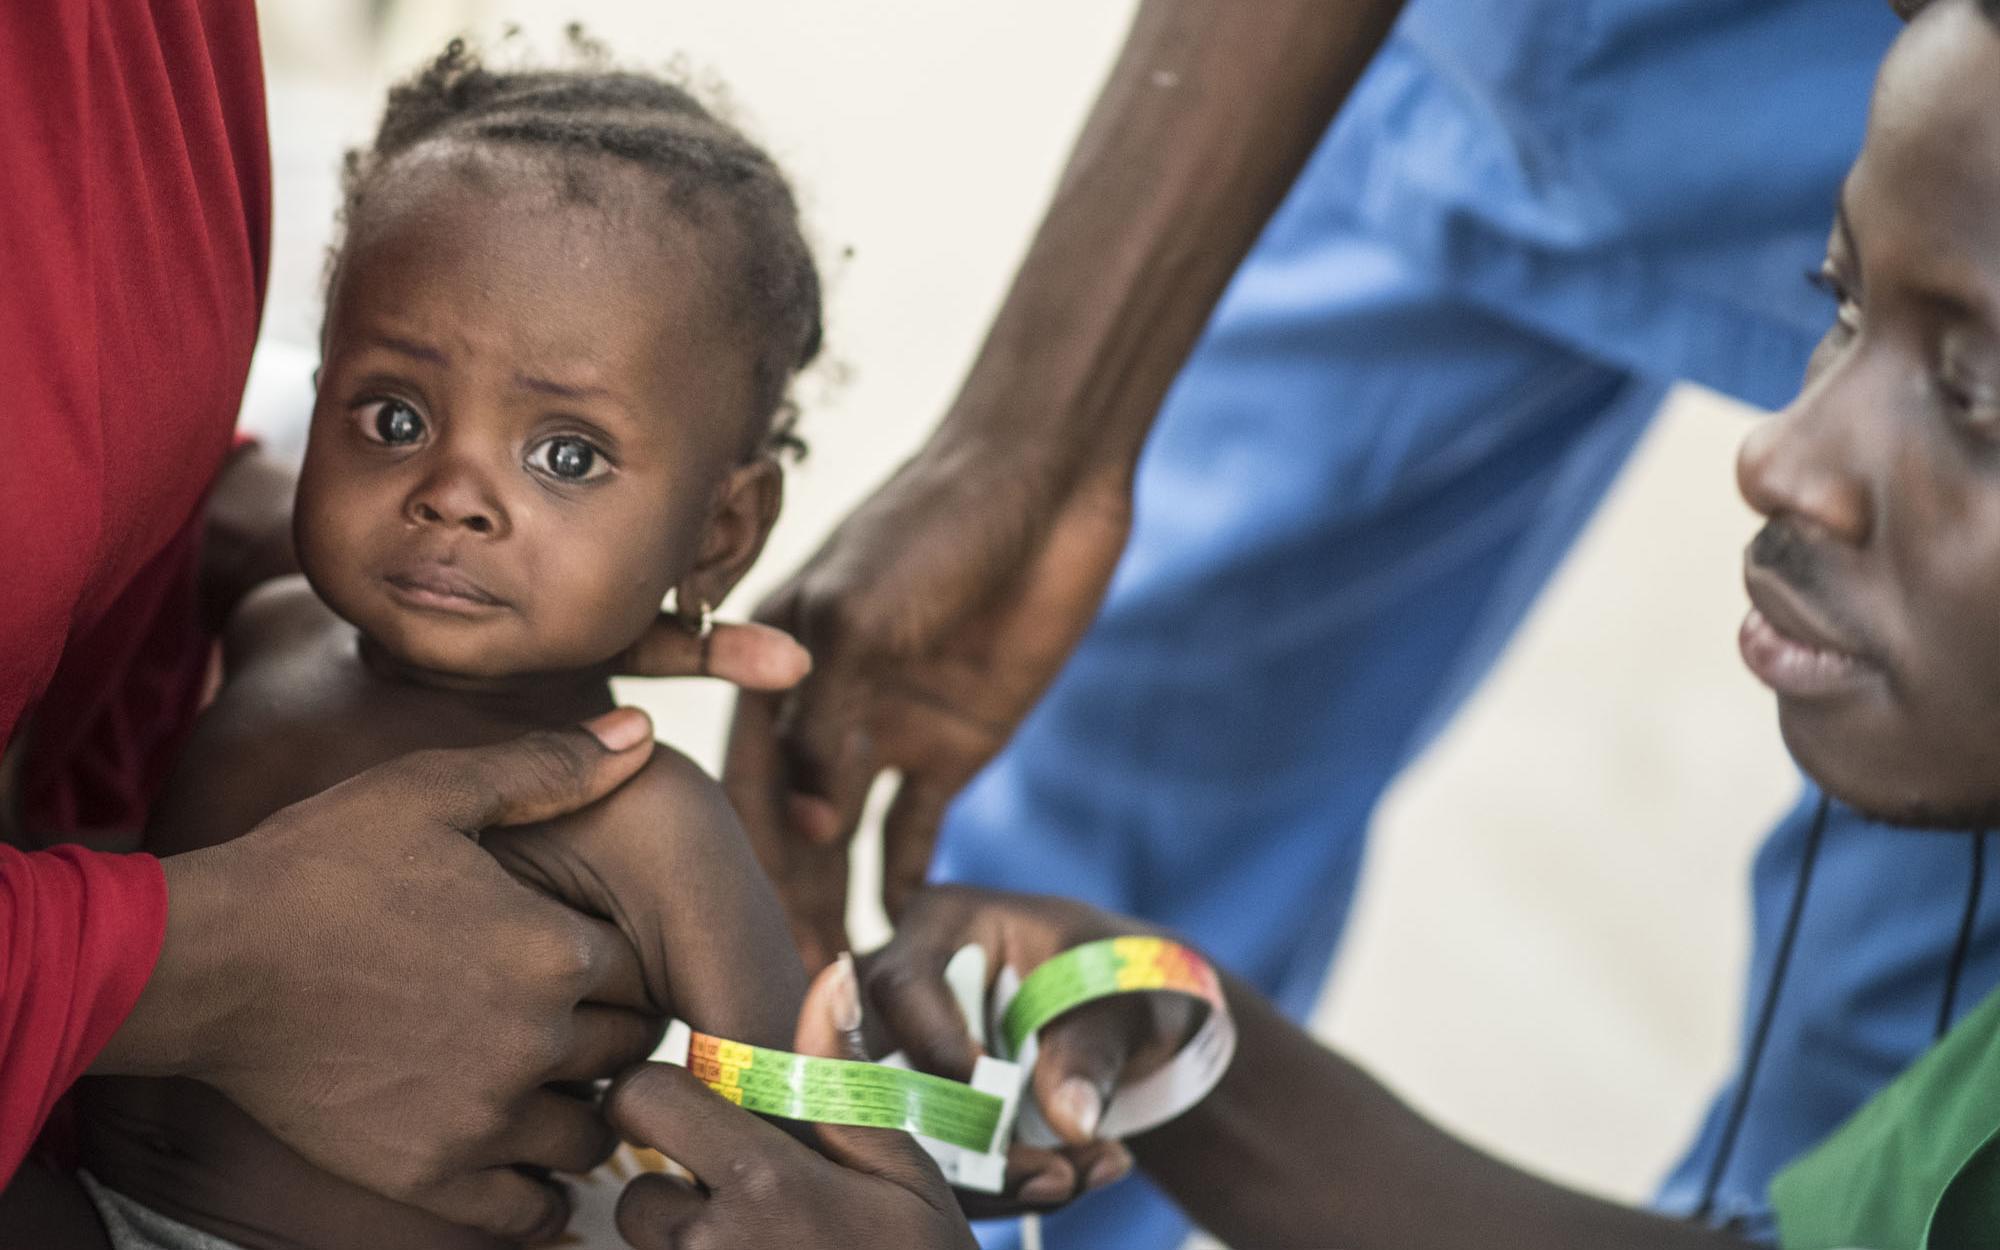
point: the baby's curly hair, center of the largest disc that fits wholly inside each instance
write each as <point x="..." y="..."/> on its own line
<point x="704" y="164"/>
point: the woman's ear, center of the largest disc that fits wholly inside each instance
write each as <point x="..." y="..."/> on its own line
<point x="744" y="509"/>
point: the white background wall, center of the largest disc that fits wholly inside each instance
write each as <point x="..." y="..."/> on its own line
<point x="1553" y="922"/>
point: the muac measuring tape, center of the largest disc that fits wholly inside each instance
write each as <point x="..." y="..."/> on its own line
<point x="967" y="1127"/>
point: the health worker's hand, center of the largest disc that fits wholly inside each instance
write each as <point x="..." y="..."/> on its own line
<point x="760" y="1188"/>
<point x="358" y="974"/>
<point x="755" y="657"/>
<point x="1085" y="1054"/>
<point x="936" y="616"/>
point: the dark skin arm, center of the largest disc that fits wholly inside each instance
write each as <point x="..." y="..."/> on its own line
<point x="659" y="863"/>
<point x="1296" y="1147"/>
<point x="1299" y="1147"/>
<point x="942" y="608"/>
<point x="275" y="941"/>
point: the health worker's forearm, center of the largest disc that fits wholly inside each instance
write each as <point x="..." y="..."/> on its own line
<point x="1299" y="1148"/>
<point x="1209" y="113"/>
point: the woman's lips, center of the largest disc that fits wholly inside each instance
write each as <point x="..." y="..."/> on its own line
<point x="441" y="588"/>
<point x="1789" y="653"/>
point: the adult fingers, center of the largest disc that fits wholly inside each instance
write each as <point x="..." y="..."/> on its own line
<point x="558" y="1132"/>
<point x="905" y="991"/>
<point x="828" y="758"/>
<point x="656" y="1212"/>
<point x="830" y="1027"/>
<point x="665" y="1107"/>
<point x="509" y="1204"/>
<point x="1082" y="1056"/>
<point x="909" y="837"/>
<point x="606" y="1041"/>
<point x="756" y="657"/>
<point x="811" y="879"/>
<point x="537" y="776"/>
<point x="823" y="727"/>
<point x="830" y="1018"/>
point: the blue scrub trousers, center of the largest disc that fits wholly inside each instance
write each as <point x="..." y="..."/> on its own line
<point x="1351" y="498"/>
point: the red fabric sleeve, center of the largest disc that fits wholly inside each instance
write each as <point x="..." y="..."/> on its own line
<point x="79" y="933"/>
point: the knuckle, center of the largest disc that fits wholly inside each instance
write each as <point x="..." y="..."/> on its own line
<point x="756" y="1178"/>
<point x="631" y="1093"/>
<point x="568" y="958"/>
<point x="446" y="778"/>
<point x="540" y="1207"/>
<point x="827" y="615"/>
<point x="552" y="762"/>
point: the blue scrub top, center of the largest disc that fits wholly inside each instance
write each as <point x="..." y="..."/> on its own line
<point x="1533" y="214"/>
<point x="1644" y="179"/>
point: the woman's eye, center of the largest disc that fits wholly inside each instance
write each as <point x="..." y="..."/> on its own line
<point x="570" y="459"/>
<point x="396" y="424"/>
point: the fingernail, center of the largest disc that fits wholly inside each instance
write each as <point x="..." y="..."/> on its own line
<point x="1115" y="1165"/>
<point x="620" y="729"/>
<point x="1046" y="1188"/>
<point x="846" y="996"/>
<point x="1078" y="1101"/>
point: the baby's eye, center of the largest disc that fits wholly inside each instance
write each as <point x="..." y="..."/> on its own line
<point x="570" y="459"/>
<point x="395" y="423"/>
<point x="1847" y="309"/>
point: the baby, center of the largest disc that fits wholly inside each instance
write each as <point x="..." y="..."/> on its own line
<point x="560" y="331"/>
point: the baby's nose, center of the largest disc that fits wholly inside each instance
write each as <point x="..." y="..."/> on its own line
<point x="457" y="496"/>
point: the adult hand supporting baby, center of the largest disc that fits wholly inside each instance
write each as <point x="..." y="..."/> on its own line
<point x="360" y="976"/>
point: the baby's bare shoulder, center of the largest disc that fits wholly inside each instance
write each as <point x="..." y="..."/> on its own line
<point x="283" y="726"/>
<point x="277" y="619"/>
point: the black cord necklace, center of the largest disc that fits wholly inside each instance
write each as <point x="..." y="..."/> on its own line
<point x="1733" y="1127"/>
<point x="1967" y="924"/>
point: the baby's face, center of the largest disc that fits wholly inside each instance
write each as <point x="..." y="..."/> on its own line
<point x="1877" y="578"/>
<point x="525" y="406"/>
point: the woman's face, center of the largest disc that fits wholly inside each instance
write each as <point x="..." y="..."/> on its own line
<point x="524" y="412"/>
<point x="1876" y="580"/>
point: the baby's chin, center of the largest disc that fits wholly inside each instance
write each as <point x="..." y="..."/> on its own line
<point x="479" y="653"/>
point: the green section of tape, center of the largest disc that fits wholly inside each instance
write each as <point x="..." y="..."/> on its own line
<point x="1100" y="969"/>
<point x="868" y="1095"/>
<point x="1071" y="979"/>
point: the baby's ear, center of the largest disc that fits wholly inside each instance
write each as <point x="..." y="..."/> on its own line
<point x="740" y="517"/>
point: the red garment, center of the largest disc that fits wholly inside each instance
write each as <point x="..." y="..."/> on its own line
<point x="134" y="233"/>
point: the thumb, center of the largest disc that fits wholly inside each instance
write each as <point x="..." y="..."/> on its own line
<point x="830" y="1028"/>
<point x="1082" y="1056"/>
<point x="830" y="1021"/>
<point x="537" y="776"/>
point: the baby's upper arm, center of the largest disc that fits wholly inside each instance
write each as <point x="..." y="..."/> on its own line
<point x="699" y="906"/>
<point x="255" y="749"/>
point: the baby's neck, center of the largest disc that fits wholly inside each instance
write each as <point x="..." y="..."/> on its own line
<point x="545" y="698"/>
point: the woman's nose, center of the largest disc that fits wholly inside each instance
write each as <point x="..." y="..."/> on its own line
<point x="457" y="496"/>
<point x="1809" y="463"/>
